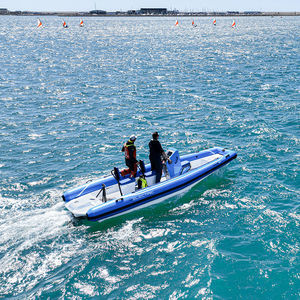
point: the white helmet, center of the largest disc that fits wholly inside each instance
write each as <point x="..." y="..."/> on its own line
<point x="132" y="137"/>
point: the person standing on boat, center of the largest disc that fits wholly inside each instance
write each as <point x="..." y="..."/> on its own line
<point x="157" y="153"/>
<point x="130" y="157"/>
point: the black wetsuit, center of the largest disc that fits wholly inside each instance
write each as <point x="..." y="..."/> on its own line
<point x="156" y="152"/>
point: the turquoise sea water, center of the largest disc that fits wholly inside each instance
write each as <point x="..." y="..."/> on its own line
<point x="68" y="101"/>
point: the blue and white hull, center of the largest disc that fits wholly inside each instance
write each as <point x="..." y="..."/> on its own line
<point x="122" y="196"/>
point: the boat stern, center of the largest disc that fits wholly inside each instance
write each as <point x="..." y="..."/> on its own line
<point x="80" y="206"/>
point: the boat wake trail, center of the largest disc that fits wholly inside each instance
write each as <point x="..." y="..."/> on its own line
<point x="24" y="236"/>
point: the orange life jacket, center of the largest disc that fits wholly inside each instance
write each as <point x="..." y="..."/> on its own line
<point x="126" y="149"/>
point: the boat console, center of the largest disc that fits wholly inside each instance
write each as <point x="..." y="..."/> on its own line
<point x="174" y="167"/>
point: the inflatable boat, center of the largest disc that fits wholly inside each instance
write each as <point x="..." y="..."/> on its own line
<point x="115" y="195"/>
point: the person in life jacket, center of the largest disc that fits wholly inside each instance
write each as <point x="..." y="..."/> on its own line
<point x="130" y="157"/>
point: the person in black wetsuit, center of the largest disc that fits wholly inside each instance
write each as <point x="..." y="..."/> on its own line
<point x="156" y="155"/>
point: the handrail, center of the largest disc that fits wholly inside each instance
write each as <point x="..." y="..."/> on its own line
<point x="83" y="190"/>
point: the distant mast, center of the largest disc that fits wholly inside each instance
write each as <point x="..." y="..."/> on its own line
<point x="81" y="23"/>
<point x="39" y="23"/>
<point x="233" y="24"/>
<point x="176" y="24"/>
<point x="215" y="22"/>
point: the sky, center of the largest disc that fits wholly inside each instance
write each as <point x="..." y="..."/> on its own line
<point x="124" y="5"/>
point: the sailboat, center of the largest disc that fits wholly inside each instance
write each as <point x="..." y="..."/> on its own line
<point x="176" y="24"/>
<point x="215" y="22"/>
<point x="81" y="23"/>
<point x="39" y="23"/>
<point x="65" y="25"/>
<point x="233" y="24"/>
<point x="193" y="24"/>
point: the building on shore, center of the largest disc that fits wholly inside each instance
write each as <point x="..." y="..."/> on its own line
<point x="4" y="11"/>
<point x="233" y="12"/>
<point x="153" y="11"/>
<point x="256" y="13"/>
<point x="98" y="12"/>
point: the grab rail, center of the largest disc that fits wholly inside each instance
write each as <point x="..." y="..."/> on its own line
<point x="83" y="190"/>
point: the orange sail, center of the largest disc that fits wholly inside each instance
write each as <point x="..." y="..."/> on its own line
<point x="215" y="22"/>
<point x="193" y="23"/>
<point x="233" y="24"/>
<point x="39" y="23"/>
<point x="176" y="24"/>
<point x="81" y="23"/>
<point x="65" y="24"/>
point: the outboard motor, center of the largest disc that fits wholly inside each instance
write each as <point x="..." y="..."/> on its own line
<point x="174" y="167"/>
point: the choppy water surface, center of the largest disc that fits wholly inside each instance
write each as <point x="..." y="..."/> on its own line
<point x="68" y="101"/>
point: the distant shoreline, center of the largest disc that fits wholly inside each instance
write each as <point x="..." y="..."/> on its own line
<point x="4" y="12"/>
